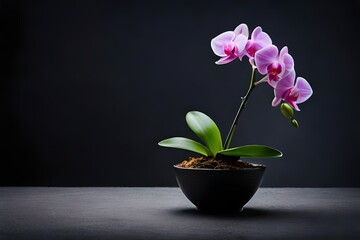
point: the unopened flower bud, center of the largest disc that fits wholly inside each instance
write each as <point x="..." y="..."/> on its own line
<point x="287" y="110"/>
<point x="294" y="123"/>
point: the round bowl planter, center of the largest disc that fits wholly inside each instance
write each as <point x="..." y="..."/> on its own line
<point x="219" y="190"/>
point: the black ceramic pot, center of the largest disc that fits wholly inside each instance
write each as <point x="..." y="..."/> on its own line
<point x="219" y="190"/>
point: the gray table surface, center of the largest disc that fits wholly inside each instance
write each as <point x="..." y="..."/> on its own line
<point x="165" y="213"/>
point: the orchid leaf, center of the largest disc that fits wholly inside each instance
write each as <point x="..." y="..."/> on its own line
<point x="205" y="128"/>
<point x="252" y="151"/>
<point x="186" y="144"/>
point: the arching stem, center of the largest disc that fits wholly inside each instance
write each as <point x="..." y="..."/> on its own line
<point x="242" y="106"/>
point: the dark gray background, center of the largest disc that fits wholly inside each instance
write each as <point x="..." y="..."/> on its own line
<point x="88" y="88"/>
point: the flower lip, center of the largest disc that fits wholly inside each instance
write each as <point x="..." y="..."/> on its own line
<point x="230" y="49"/>
<point x="292" y="96"/>
<point x="274" y="71"/>
<point x="251" y="48"/>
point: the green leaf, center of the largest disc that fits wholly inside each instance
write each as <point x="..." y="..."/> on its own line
<point x="186" y="144"/>
<point x="252" y="151"/>
<point x="205" y="128"/>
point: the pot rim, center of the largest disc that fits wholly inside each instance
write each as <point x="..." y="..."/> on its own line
<point x="259" y="166"/>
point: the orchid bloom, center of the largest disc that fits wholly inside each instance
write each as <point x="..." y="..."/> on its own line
<point x="290" y="93"/>
<point x="269" y="61"/>
<point x="278" y="68"/>
<point x="259" y="40"/>
<point x="230" y="45"/>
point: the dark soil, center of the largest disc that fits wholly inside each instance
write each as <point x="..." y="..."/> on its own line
<point x="211" y="163"/>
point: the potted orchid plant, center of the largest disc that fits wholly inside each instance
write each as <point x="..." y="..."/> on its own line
<point x="218" y="180"/>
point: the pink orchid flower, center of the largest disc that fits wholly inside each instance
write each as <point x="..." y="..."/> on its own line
<point x="290" y="93"/>
<point x="275" y="65"/>
<point x="259" y="40"/>
<point x="230" y="45"/>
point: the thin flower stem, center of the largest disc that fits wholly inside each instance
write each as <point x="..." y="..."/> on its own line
<point x="242" y="106"/>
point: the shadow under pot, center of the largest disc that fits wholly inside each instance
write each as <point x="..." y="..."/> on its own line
<point x="219" y="190"/>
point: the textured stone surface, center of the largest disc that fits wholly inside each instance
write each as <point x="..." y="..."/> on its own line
<point x="165" y="213"/>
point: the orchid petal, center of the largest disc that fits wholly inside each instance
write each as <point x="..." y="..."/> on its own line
<point x="251" y="48"/>
<point x="225" y="60"/>
<point x="303" y="88"/>
<point x="241" y="55"/>
<point x="284" y="71"/>
<point x="288" y="61"/>
<point x="256" y="32"/>
<point x="260" y="37"/>
<point x="240" y="42"/>
<point x="285" y="84"/>
<point x="242" y="29"/>
<point x="276" y="101"/>
<point x="272" y="83"/>
<point x="294" y="105"/>
<point x="288" y="80"/>
<point x="218" y="43"/>
<point x="264" y="57"/>
<point x="283" y="51"/>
